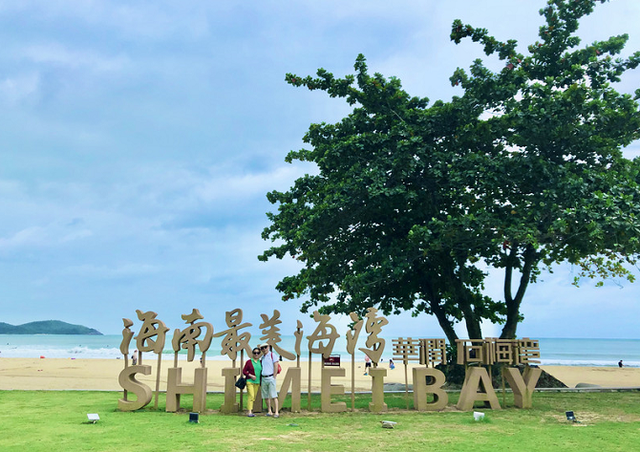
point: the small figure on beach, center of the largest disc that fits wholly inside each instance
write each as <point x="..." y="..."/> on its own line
<point x="367" y="364"/>
<point x="252" y="371"/>
<point x="620" y="363"/>
<point x="134" y="358"/>
<point x="391" y="364"/>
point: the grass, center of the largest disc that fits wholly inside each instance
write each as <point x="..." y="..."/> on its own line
<point x="54" y="421"/>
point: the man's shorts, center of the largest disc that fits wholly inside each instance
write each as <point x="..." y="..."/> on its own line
<point x="268" y="388"/>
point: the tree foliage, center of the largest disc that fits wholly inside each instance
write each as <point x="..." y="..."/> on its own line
<point x="521" y="171"/>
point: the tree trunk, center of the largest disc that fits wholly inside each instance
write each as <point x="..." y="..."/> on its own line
<point x="445" y="323"/>
<point x="464" y="299"/>
<point x="530" y="257"/>
<point x="474" y="330"/>
<point x="430" y="296"/>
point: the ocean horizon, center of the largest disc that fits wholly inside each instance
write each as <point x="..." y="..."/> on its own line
<point x="553" y="351"/>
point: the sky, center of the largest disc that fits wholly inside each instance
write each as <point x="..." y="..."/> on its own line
<point x="139" y="139"/>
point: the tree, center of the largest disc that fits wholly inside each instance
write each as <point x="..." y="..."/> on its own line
<point x="523" y="170"/>
<point x="565" y="192"/>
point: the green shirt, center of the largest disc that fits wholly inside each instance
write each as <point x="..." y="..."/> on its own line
<point x="257" y="371"/>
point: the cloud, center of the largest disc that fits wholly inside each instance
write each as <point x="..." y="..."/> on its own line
<point x="38" y="237"/>
<point x="140" y="140"/>
<point x="112" y="272"/>
<point x="54" y="53"/>
<point x="150" y="20"/>
<point x="232" y="187"/>
<point x="22" y="87"/>
<point x="25" y="237"/>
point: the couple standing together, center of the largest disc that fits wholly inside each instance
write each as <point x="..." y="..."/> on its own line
<point x="260" y="371"/>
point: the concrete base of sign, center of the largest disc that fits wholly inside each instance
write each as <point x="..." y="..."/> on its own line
<point x="421" y="389"/>
<point x="377" y="404"/>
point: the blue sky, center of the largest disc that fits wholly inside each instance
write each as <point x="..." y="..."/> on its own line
<point x="139" y="140"/>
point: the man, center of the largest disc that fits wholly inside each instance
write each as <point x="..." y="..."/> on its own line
<point x="268" y="384"/>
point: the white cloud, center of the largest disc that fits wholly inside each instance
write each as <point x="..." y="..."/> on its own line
<point x="111" y="272"/>
<point x="26" y="237"/>
<point x="41" y="237"/>
<point x="151" y="20"/>
<point x="55" y="53"/>
<point x="76" y="235"/>
<point x="232" y="187"/>
<point x="14" y="90"/>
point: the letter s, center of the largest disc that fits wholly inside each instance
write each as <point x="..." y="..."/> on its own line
<point x="127" y="380"/>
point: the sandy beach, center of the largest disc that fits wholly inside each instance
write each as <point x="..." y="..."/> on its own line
<point x="102" y="374"/>
<point x="607" y="377"/>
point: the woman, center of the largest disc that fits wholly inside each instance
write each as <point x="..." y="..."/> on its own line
<point x="252" y="371"/>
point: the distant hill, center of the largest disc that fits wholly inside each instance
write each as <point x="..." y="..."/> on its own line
<point x="47" y="327"/>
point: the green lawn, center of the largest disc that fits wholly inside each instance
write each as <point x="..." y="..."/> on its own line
<point x="56" y="421"/>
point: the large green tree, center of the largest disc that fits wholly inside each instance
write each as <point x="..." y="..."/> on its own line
<point x="523" y="170"/>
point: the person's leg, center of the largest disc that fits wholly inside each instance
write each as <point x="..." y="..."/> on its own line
<point x="264" y="387"/>
<point x="272" y="395"/>
<point x="252" y="390"/>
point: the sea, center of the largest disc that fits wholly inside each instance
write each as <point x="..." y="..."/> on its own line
<point x="553" y="351"/>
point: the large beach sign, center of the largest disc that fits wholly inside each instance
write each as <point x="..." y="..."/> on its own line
<point x="428" y="382"/>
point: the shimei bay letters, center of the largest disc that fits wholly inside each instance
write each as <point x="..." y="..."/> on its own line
<point x="428" y="381"/>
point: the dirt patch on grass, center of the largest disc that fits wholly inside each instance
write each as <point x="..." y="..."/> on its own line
<point x="590" y="417"/>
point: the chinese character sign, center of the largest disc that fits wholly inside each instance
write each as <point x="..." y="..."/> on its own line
<point x="197" y="336"/>
<point x="271" y="334"/>
<point x="151" y="327"/>
<point x="323" y="332"/>
<point x="127" y="335"/>
<point x="187" y="339"/>
<point x="373" y="326"/>
<point x="234" y="342"/>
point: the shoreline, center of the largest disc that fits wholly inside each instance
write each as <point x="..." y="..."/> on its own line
<point x="102" y="374"/>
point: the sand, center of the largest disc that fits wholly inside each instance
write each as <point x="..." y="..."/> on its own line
<point x="607" y="377"/>
<point x="102" y="374"/>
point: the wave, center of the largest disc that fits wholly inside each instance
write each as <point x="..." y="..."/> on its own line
<point x="80" y="352"/>
<point x="586" y="362"/>
<point x="558" y="352"/>
<point x="73" y="352"/>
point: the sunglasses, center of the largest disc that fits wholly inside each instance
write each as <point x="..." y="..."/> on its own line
<point x="263" y="348"/>
<point x="256" y="353"/>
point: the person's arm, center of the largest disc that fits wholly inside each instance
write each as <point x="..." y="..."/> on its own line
<point x="248" y="370"/>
